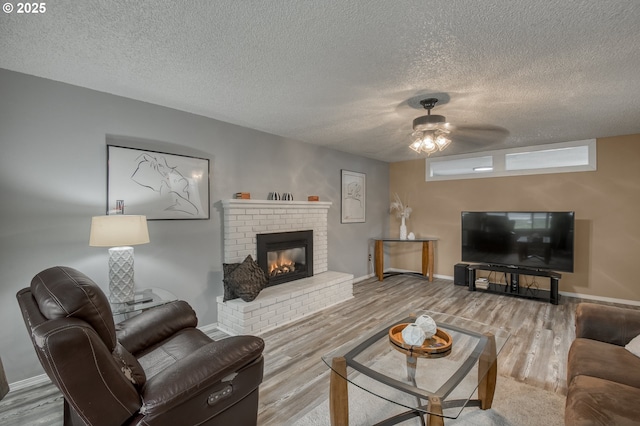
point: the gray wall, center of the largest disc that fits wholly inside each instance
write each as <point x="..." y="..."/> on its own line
<point x="53" y="180"/>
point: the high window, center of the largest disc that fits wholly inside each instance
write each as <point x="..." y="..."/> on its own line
<point x="577" y="156"/>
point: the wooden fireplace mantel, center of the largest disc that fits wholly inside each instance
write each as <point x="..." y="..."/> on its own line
<point x="270" y="204"/>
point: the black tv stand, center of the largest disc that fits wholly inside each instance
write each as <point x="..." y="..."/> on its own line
<point x="512" y="286"/>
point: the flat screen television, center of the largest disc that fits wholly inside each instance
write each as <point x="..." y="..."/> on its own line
<point x="533" y="240"/>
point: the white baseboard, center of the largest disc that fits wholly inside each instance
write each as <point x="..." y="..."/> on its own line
<point x="31" y="381"/>
<point x="444" y="277"/>
<point x="362" y="278"/>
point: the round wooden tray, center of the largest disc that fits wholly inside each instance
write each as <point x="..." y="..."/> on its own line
<point x="438" y="345"/>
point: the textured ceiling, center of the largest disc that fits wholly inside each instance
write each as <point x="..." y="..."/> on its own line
<point x="349" y="74"/>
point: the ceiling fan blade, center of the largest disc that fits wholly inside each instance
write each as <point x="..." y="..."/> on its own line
<point x="480" y="136"/>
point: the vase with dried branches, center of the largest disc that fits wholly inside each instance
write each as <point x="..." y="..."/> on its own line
<point x="403" y="211"/>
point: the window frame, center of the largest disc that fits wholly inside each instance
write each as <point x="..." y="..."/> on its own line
<point x="499" y="160"/>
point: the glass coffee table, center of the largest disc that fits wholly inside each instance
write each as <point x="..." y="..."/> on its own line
<point x="421" y="384"/>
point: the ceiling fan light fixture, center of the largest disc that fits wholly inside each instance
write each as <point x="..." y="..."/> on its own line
<point x="429" y="143"/>
<point x="416" y="146"/>
<point x="429" y="131"/>
<point x="442" y="142"/>
<point x="417" y="136"/>
<point x="429" y="147"/>
<point x="429" y="122"/>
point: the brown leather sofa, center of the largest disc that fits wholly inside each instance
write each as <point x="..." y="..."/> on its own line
<point x="603" y="377"/>
<point x="155" y="368"/>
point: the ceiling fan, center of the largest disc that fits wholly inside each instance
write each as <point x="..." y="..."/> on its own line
<point x="432" y="133"/>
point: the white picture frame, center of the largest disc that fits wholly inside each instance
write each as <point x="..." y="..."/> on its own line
<point x="353" y="197"/>
<point x="158" y="185"/>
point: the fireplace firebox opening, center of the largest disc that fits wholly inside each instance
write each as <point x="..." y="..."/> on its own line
<point x="285" y="256"/>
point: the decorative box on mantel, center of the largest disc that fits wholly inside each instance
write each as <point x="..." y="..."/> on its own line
<point x="274" y="306"/>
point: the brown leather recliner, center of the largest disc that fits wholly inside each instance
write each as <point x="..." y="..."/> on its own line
<point x="152" y="369"/>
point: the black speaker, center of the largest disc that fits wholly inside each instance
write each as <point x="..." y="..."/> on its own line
<point x="515" y="283"/>
<point x="461" y="274"/>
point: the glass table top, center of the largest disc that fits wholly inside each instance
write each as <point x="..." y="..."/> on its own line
<point x="144" y="299"/>
<point x="399" y="375"/>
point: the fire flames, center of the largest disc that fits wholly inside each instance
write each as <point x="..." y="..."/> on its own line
<point x="282" y="265"/>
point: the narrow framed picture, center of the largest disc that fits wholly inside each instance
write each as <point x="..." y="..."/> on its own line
<point x="156" y="184"/>
<point x="353" y="200"/>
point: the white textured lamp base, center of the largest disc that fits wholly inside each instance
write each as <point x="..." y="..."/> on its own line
<point x="121" y="284"/>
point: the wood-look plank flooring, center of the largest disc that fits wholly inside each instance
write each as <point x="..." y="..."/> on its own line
<point x="296" y="379"/>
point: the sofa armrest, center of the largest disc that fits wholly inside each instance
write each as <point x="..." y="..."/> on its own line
<point x="199" y="370"/>
<point x="155" y="325"/>
<point x="609" y="324"/>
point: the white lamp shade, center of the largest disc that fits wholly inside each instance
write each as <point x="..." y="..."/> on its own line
<point x="118" y="230"/>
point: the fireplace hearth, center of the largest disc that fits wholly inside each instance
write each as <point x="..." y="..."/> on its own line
<point x="285" y="256"/>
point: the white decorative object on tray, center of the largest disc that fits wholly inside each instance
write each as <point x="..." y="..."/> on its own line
<point x="428" y="325"/>
<point x="413" y="335"/>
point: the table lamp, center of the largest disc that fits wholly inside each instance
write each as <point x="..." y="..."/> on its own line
<point x="119" y="232"/>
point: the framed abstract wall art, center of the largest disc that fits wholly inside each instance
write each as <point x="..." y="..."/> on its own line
<point x="156" y="184"/>
<point x="353" y="201"/>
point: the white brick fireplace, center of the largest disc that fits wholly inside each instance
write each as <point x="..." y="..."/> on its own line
<point x="283" y="303"/>
<point x="243" y="219"/>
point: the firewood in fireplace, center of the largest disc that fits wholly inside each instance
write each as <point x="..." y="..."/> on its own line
<point x="283" y="269"/>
